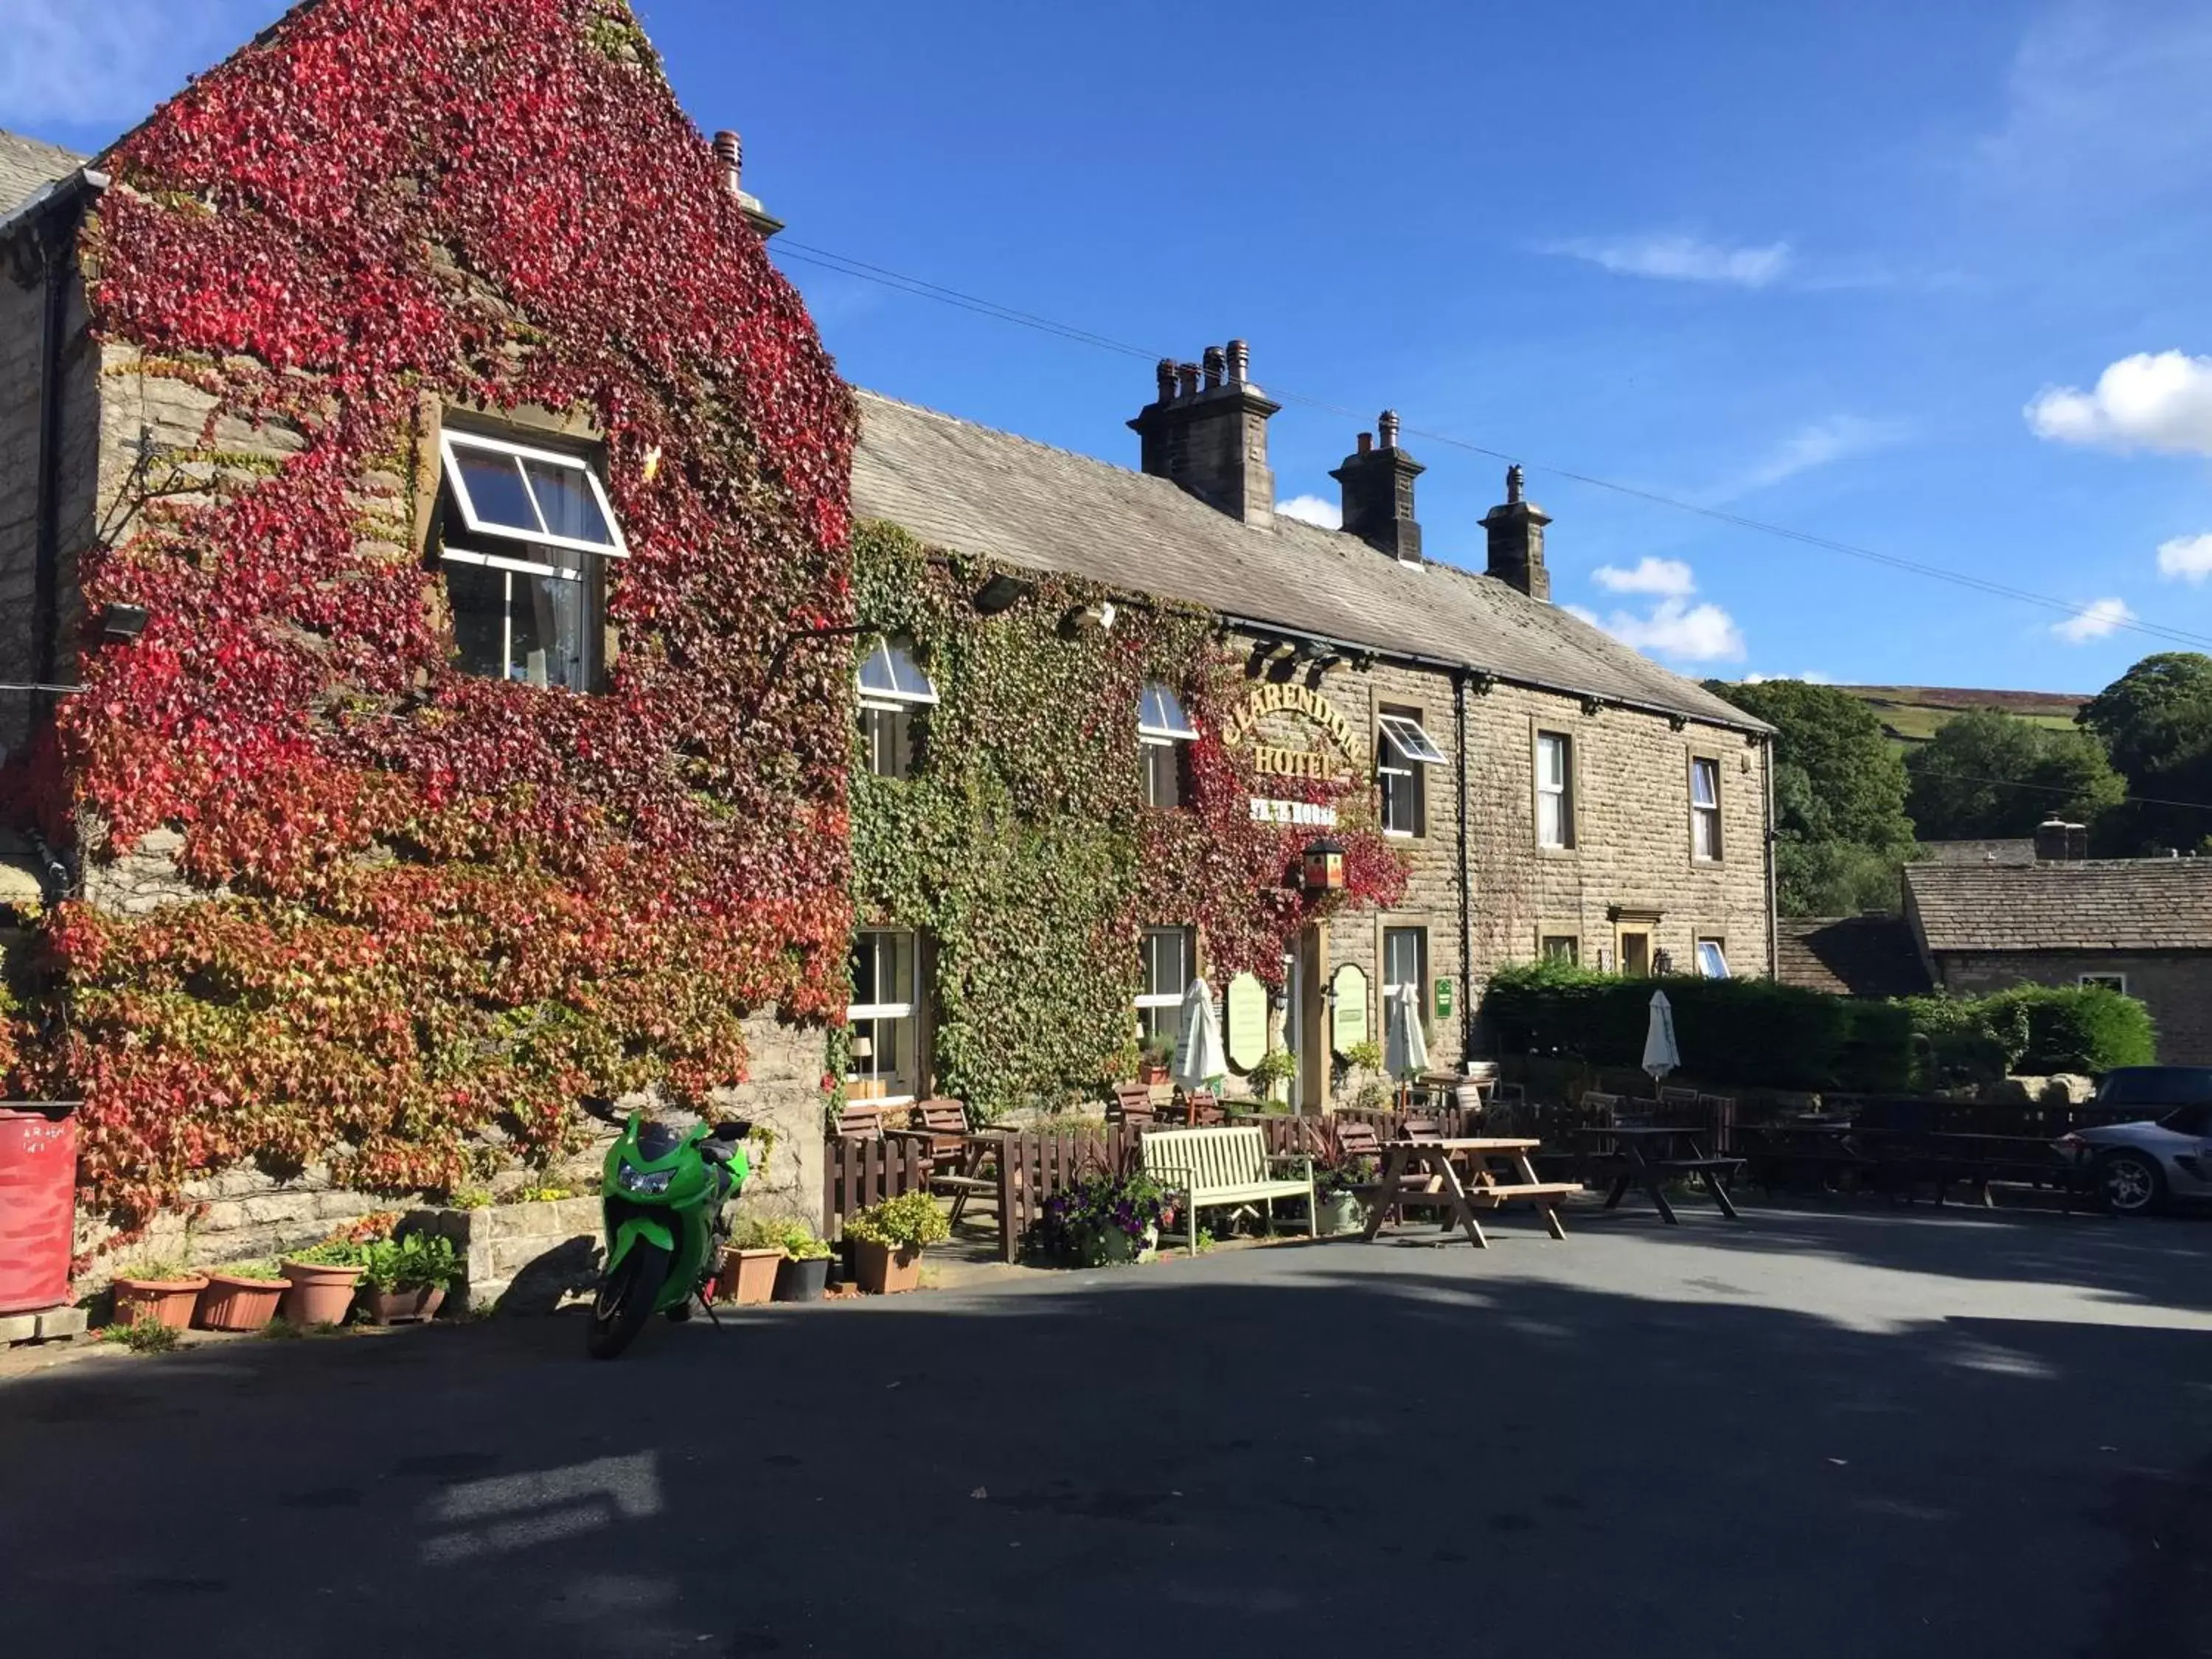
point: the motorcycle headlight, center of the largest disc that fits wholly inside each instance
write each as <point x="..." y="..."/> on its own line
<point x="644" y="1181"/>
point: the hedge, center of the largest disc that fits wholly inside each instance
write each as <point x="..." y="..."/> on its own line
<point x="1755" y="1033"/>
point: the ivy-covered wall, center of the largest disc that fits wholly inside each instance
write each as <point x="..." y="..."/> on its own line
<point x="1020" y="848"/>
<point x="434" y="910"/>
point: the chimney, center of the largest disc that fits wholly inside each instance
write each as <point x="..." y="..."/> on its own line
<point x="1207" y="431"/>
<point x="1379" y="493"/>
<point x="2057" y="841"/>
<point x="730" y="151"/>
<point x="1517" y="539"/>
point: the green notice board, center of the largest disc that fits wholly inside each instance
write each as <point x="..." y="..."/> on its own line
<point x="1350" y="1026"/>
<point x="1245" y="1008"/>
<point x="1443" y="998"/>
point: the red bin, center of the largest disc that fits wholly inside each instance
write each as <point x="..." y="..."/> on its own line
<point x="38" y="1205"/>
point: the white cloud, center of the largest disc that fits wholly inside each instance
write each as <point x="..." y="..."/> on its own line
<point x="1681" y="258"/>
<point x="1669" y="578"/>
<point x="1313" y="509"/>
<point x="1817" y="444"/>
<point x="2153" y="400"/>
<point x="1674" y="628"/>
<point x="107" y="65"/>
<point x="2189" y="557"/>
<point x="2093" y="621"/>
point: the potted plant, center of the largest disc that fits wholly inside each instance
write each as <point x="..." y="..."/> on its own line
<point x="749" y="1262"/>
<point x="406" y="1279"/>
<point x="322" y="1279"/>
<point x="888" y="1240"/>
<point x="1336" y="1192"/>
<point x="241" y="1296"/>
<point x="1271" y="1071"/>
<point x="157" y="1292"/>
<point x="803" y="1275"/>
<point x="1101" y="1221"/>
<point x="1159" y="1055"/>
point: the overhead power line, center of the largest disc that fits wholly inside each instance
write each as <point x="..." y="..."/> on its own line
<point x="846" y="264"/>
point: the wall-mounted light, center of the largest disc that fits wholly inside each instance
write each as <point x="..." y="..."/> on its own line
<point x="1090" y="619"/>
<point x="1001" y="594"/>
<point x="1322" y="867"/>
<point x="121" y="624"/>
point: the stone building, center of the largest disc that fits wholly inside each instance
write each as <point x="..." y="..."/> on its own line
<point x="1553" y="793"/>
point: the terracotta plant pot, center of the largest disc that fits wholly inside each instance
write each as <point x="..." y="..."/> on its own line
<point x="749" y="1276"/>
<point x="237" y="1304"/>
<point x="317" y="1295"/>
<point x="880" y="1270"/>
<point x="416" y="1304"/>
<point x="157" y="1301"/>
<point x="803" y="1281"/>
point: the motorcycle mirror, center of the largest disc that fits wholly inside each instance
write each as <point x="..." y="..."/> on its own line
<point x="735" y="1129"/>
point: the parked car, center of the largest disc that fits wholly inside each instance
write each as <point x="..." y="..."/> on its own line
<point x="2137" y="1166"/>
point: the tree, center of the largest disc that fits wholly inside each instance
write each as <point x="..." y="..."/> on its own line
<point x="2156" y="723"/>
<point x="1987" y="774"/>
<point x="1839" y="787"/>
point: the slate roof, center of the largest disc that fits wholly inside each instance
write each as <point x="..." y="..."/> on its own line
<point x="989" y="494"/>
<point x="28" y="167"/>
<point x="2105" y="904"/>
<point x="1850" y="956"/>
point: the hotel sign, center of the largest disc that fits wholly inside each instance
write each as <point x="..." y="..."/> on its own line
<point x="1304" y="812"/>
<point x="1305" y="705"/>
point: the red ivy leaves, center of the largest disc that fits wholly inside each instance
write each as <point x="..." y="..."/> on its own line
<point x="455" y="902"/>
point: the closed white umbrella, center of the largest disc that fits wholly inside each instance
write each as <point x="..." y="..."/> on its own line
<point x="1661" y="1053"/>
<point x="1199" y="1061"/>
<point x="1405" y="1045"/>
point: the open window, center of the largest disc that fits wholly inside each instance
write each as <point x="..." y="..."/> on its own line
<point x="525" y="533"/>
<point x="1164" y="734"/>
<point x="1712" y="958"/>
<point x="1403" y="753"/>
<point x="892" y="687"/>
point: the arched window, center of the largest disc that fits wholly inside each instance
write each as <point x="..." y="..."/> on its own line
<point x="1163" y="729"/>
<point x="892" y="686"/>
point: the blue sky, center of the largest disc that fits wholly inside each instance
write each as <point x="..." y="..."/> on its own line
<point x="1927" y="279"/>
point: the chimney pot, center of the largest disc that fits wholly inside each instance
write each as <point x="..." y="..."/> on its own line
<point x="1386" y="427"/>
<point x="1214" y="445"/>
<point x="1240" y="363"/>
<point x="1187" y="379"/>
<point x="1217" y="365"/>
<point x="2052" y="841"/>
<point x="1366" y="443"/>
<point x="730" y="151"/>
<point x="1165" y="376"/>
<point x="1379" y="493"/>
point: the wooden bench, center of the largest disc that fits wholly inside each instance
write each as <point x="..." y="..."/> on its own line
<point x="1210" y="1167"/>
<point x="865" y="1119"/>
<point x="1132" y="1103"/>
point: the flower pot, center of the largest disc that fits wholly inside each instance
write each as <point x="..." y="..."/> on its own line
<point x="1341" y="1212"/>
<point x="403" y="1306"/>
<point x="317" y="1295"/>
<point x="157" y="1301"/>
<point x="1152" y="1071"/>
<point x="802" y="1281"/>
<point x="1113" y="1247"/>
<point x="237" y="1304"/>
<point x="884" y="1270"/>
<point x="749" y="1276"/>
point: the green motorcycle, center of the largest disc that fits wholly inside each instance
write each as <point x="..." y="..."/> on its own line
<point x="666" y="1195"/>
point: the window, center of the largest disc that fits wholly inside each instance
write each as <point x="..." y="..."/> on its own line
<point x="524" y="537"/>
<point x="1705" y="808"/>
<point x="1555" y="790"/>
<point x="892" y="686"/>
<point x="1560" y="947"/>
<point x="1403" y="752"/>
<point x="1636" y="955"/>
<point x="1168" y="971"/>
<point x="1712" y="958"/>
<point x="886" y="1048"/>
<point x="1163" y="730"/>
<point x="2110" y="982"/>
<point x="1406" y="962"/>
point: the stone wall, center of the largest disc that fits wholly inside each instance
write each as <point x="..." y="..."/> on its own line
<point x="2176" y="987"/>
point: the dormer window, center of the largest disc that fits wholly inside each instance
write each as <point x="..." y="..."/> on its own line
<point x="524" y="536"/>
<point x="891" y="686"/>
<point x="1163" y="733"/>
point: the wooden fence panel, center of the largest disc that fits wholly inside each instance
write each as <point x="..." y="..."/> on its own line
<point x="858" y="1173"/>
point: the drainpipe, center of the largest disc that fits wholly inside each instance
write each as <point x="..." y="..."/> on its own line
<point x="46" y="577"/>
<point x="1466" y="907"/>
<point x="1773" y="942"/>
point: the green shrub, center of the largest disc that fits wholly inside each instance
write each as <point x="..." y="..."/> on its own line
<point x="419" y="1261"/>
<point x="911" y="1219"/>
<point x="2035" y="1029"/>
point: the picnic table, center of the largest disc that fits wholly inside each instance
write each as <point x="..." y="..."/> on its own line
<point x="1418" y="1172"/>
<point x="1647" y="1154"/>
<point x="1828" y="1149"/>
<point x="960" y="1163"/>
<point x="1903" y="1158"/>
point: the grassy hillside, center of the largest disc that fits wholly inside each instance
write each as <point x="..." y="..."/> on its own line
<point x="1914" y="713"/>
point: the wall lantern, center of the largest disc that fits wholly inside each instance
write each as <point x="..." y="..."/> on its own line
<point x="1324" y="866"/>
<point x="122" y="624"/>
<point x="1001" y="593"/>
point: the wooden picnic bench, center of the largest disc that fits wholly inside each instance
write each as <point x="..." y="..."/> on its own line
<point x="1418" y="1173"/>
<point x="956" y="1157"/>
<point x="1215" y="1166"/>
<point x="1647" y="1154"/>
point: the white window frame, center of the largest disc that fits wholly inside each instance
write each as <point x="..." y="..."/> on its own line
<point x="1154" y="1000"/>
<point x="1402" y="736"/>
<point x="1163" y="733"/>
<point x="1563" y="791"/>
<point x="451" y="439"/>
<point x="1391" y="986"/>
<point x="1411" y="739"/>
<point x="1705" y="812"/>
<point x="894" y="1013"/>
<point x="1573" y="955"/>
<point x="875" y="697"/>
<point x="1719" y="946"/>
<point x="2110" y="981"/>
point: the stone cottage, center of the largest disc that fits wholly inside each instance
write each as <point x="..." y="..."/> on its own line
<point x="403" y="493"/>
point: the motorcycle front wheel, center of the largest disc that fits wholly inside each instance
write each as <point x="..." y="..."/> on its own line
<point x="625" y="1300"/>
